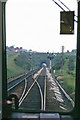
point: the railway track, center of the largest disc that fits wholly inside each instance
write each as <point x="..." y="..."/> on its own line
<point x="34" y="95"/>
<point x="42" y="92"/>
<point x="14" y="84"/>
<point x="57" y="99"/>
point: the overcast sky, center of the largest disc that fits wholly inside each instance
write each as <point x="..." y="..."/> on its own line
<point x="35" y="24"/>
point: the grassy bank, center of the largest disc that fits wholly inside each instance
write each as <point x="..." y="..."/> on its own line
<point x="22" y="62"/>
<point x="66" y="78"/>
<point x="12" y="68"/>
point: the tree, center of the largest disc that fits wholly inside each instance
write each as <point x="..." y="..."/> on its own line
<point x="21" y="48"/>
<point x="12" y="47"/>
<point x="30" y="50"/>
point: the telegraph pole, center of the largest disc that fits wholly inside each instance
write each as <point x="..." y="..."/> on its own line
<point x="62" y="56"/>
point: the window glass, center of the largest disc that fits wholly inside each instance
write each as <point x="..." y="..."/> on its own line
<point x="41" y="62"/>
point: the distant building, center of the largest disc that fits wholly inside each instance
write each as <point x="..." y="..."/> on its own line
<point x="9" y="49"/>
<point x="17" y="49"/>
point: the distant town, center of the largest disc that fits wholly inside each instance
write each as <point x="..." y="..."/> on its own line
<point x="20" y="49"/>
<point x="17" y="49"/>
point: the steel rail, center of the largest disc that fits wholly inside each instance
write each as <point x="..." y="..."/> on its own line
<point x="37" y="75"/>
<point x="57" y="93"/>
<point x="23" y="90"/>
<point x="68" y="97"/>
<point x="26" y="93"/>
<point x="25" y="74"/>
<point x="15" y="85"/>
<point x="41" y="95"/>
<point x="18" y="77"/>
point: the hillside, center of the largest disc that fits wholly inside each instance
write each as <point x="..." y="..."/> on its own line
<point x="12" y="68"/>
<point x="65" y="67"/>
<point x="23" y="62"/>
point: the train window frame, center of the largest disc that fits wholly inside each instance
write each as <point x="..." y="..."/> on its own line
<point x="75" y="112"/>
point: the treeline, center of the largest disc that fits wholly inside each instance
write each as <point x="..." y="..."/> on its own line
<point x="59" y="61"/>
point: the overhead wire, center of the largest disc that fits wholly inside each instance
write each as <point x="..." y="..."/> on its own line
<point x="58" y="5"/>
<point x="63" y="8"/>
<point x="66" y="6"/>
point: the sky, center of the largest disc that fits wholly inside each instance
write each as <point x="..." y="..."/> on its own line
<point x="35" y="24"/>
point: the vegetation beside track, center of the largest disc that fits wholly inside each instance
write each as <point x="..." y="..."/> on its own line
<point x="12" y="68"/>
<point x="66" y="74"/>
<point x="21" y="62"/>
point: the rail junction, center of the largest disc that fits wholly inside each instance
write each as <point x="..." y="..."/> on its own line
<point x="39" y="91"/>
